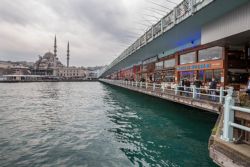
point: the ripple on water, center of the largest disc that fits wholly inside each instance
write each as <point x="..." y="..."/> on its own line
<point x="91" y="124"/>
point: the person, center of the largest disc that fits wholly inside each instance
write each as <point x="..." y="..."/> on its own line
<point x="142" y="80"/>
<point x="187" y="87"/>
<point x="181" y="88"/>
<point x="248" y="87"/>
<point x="213" y="86"/>
<point x="197" y="84"/>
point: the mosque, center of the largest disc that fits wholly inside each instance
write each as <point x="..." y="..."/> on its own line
<point x="49" y="65"/>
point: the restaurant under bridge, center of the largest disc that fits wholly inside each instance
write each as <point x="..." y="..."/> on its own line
<point x="200" y="40"/>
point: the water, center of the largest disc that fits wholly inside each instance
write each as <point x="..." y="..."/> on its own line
<point x="92" y="124"/>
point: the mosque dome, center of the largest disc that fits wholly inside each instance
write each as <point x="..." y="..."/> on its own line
<point x="48" y="55"/>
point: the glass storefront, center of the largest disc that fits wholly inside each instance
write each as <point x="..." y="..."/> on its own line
<point x="208" y="75"/>
<point x="169" y="63"/>
<point x="188" y="58"/>
<point x="158" y="77"/>
<point x="169" y="76"/>
<point x="217" y="75"/>
<point x="159" y="65"/>
<point x="213" y="53"/>
<point x="188" y="75"/>
<point x="201" y="75"/>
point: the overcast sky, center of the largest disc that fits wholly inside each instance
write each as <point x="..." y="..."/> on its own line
<point x="98" y="30"/>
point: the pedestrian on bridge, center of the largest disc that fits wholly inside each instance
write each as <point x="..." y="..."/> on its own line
<point x="212" y="87"/>
<point x="197" y="84"/>
<point x="187" y="87"/>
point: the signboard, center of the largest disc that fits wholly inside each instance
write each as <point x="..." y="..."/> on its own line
<point x="218" y="64"/>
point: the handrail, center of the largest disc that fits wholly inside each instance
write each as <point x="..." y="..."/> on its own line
<point x="191" y="92"/>
<point x="228" y="119"/>
<point x="229" y="105"/>
<point x="241" y="109"/>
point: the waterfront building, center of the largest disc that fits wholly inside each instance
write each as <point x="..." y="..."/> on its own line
<point x="70" y="73"/>
<point x="200" y="41"/>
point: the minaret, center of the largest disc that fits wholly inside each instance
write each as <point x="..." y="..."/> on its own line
<point x="55" y="47"/>
<point x="55" y="50"/>
<point x="68" y="56"/>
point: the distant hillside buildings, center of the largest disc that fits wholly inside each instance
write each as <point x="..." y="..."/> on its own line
<point x="46" y="67"/>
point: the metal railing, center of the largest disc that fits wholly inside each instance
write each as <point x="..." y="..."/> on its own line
<point x="228" y="119"/>
<point x="224" y="96"/>
<point x="215" y="95"/>
<point x="181" y="12"/>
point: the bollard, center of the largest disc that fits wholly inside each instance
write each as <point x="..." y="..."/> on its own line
<point x="153" y="86"/>
<point x="136" y="83"/>
<point x="146" y="85"/>
<point x="221" y="94"/>
<point x="228" y="119"/>
<point x="140" y="84"/>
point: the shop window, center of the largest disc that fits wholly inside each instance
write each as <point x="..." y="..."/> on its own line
<point x="201" y="75"/>
<point x="169" y="76"/>
<point x="169" y="63"/>
<point x="188" y="58"/>
<point x="158" y="76"/>
<point x="208" y="75"/>
<point x="187" y="75"/>
<point x="159" y="65"/>
<point x="217" y="75"/>
<point x="213" y="53"/>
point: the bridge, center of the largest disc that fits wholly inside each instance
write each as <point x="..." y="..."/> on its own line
<point x="201" y="40"/>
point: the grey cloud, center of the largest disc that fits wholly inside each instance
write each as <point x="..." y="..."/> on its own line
<point x="98" y="30"/>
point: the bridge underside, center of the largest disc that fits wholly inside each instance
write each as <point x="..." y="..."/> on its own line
<point x="188" y="32"/>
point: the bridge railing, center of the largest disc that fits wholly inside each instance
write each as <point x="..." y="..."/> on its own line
<point x="215" y="95"/>
<point x="225" y="96"/>
<point x="228" y="119"/>
<point x="181" y="12"/>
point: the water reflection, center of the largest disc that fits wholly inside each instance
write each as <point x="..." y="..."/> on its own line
<point x="91" y="124"/>
<point x="159" y="133"/>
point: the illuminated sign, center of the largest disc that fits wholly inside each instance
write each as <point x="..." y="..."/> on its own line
<point x="201" y="66"/>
